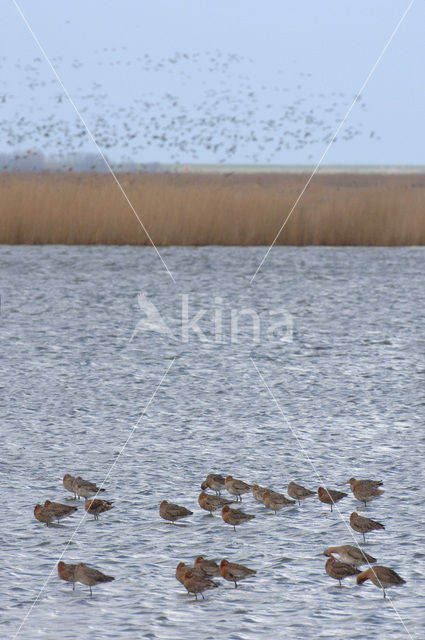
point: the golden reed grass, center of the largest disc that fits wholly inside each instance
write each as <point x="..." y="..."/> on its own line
<point x="215" y="208"/>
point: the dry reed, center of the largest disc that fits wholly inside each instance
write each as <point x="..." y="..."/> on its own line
<point x="203" y="209"/>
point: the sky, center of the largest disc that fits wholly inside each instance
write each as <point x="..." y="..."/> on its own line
<point x="220" y="82"/>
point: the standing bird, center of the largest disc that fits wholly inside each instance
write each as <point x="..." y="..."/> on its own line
<point x="97" y="506"/>
<point x="90" y="577"/>
<point x="235" y="516"/>
<point x="181" y="570"/>
<point x="86" y="489"/>
<point x="330" y="496"/>
<point x="67" y="572"/>
<point x="339" y="570"/>
<point x="236" y="487"/>
<point x="234" y="572"/>
<point x="215" y="482"/>
<point x="69" y="484"/>
<point x="211" y="503"/>
<point x="43" y="515"/>
<point x="208" y="567"/>
<point x="364" y="525"/>
<point x="298" y="492"/>
<point x="274" y="500"/>
<point x="365" y="490"/>
<point x="382" y="577"/>
<point x="52" y="511"/>
<point x="350" y="555"/>
<point x="172" y="512"/>
<point x="258" y="492"/>
<point x="197" y="584"/>
<point x="364" y="483"/>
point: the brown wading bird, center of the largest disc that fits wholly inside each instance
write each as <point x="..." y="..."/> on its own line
<point x="97" y="506"/>
<point x="68" y="483"/>
<point x="208" y="567"/>
<point x="382" y="577"/>
<point x="364" y="525"/>
<point x="211" y="503"/>
<point x="43" y="515"/>
<point x="234" y="572"/>
<point x="365" y="490"/>
<point x="215" y="482"/>
<point x="257" y="492"/>
<point x="339" y="570"/>
<point x="330" y="496"/>
<point x="52" y="511"/>
<point x="67" y="572"/>
<point x="197" y="584"/>
<point x="298" y="492"/>
<point x="181" y="570"/>
<point x="90" y="577"/>
<point x="350" y="555"/>
<point x="85" y="488"/>
<point x="237" y="487"/>
<point x="274" y="500"/>
<point x="172" y="512"/>
<point x="364" y="483"/>
<point x="235" y="516"/>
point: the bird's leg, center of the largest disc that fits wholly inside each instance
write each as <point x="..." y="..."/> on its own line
<point x="339" y="582"/>
<point x="385" y="595"/>
<point x="196" y="595"/>
<point x="236" y="585"/>
<point x="364" y="538"/>
<point x="203" y="597"/>
<point x="234" y="528"/>
<point x="331" y="507"/>
<point x="73" y="586"/>
<point x="91" y="593"/>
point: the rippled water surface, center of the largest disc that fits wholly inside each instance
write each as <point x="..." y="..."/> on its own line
<point x="80" y="364"/>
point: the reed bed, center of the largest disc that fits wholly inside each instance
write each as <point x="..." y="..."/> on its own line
<point x="202" y="209"/>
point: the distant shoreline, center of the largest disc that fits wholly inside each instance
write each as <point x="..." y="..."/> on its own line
<point x="384" y="207"/>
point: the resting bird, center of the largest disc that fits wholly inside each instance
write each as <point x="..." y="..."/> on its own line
<point x="339" y="570"/>
<point x="298" y="492"/>
<point x="67" y="572"/>
<point x="330" y="496"/>
<point x="236" y="487"/>
<point x="364" y="525"/>
<point x="235" y="516"/>
<point x="172" y="512"/>
<point x="197" y="584"/>
<point x="90" y="577"/>
<point x="211" y="503"/>
<point x="97" y="506"/>
<point x="275" y="501"/>
<point x="234" y="572"/>
<point x="208" y="567"/>
<point x="350" y="555"/>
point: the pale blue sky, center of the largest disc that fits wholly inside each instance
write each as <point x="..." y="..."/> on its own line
<point x="220" y="81"/>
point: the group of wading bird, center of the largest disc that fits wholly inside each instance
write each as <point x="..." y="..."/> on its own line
<point x="198" y="578"/>
<point x="55" y="511"/>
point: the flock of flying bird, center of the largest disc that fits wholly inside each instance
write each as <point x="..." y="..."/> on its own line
<point x="199" y="577"/>
<point x="207" y="106"/>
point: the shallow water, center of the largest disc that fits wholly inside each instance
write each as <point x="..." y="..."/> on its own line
<point x="79" y="371"/>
